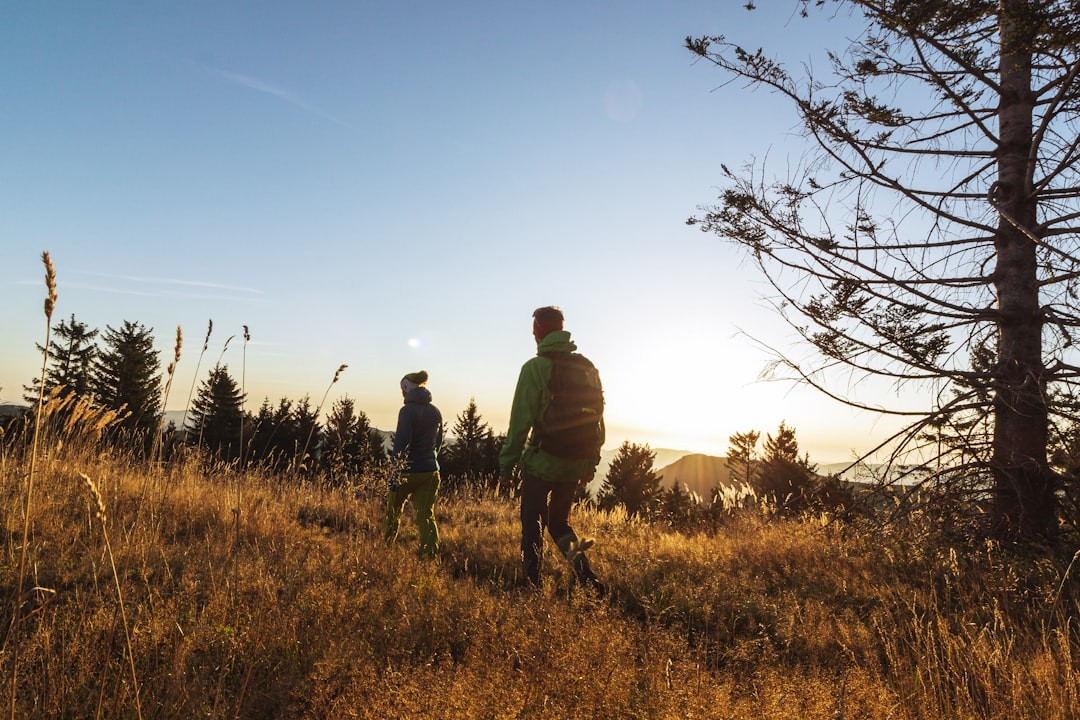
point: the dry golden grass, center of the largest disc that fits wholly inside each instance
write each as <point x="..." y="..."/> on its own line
<point x="286" y="604"/>
<point x="26" y="497"/>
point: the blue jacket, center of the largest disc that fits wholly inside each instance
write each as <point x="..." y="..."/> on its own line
<point x="419" y="433"/>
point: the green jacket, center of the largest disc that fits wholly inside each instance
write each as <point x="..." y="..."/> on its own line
<point x="531" y="398"/>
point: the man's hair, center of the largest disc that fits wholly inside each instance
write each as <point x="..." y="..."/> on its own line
<point x="548" y="315"/>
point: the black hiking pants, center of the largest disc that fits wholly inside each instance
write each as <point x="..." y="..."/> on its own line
<point x="546" y="504"/>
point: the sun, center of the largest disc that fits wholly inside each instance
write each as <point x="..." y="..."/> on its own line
<point x="670" y="402"/>
<point x="693" y="390"/>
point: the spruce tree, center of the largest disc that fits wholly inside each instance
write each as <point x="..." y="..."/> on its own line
<point x="785" y="478"/>
<point x="271" y="443"/>
<point x="679" y="504"/>
<point x="927" y="237"/>
<point x="376" y="446"/>
<point x="741" y="455"/>
<point x="345" y="444"/>
<point x="71" y="360"/>
<point x="127" y="374"/>
<point x="631" y="481"/>
<point x="304" y="424"/>
<point x="216" y="414"/>
<point x="469" y="456"/>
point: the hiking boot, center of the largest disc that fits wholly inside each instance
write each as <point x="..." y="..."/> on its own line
<point x="585" y="576"/>
<point x="576" y="548"/>
<point x="595" y="586"/>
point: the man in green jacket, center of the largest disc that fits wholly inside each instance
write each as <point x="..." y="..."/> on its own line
<point x="549" y="481"/>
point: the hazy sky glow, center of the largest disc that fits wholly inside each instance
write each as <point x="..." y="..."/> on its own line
<point x="396" y="186"/>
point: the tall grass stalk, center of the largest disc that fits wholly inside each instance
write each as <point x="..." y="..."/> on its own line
<point x="101" y="515"/>
<point x="311" y="431"/>
<point x="156" y="447"/>
<point x="224" y="348"/>
<point x="17" y="601"/>
<point x="239" y="477"/>
<point x="1064" y="579"/>
<point x="243" y="393"/>
<point x="198" y="443"/>
<point x="195" y="377"/>
<point x="171" y="372"/>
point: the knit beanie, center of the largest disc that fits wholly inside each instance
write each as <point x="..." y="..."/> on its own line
<point x="546" y="320"/>
<point x="413" y="380"/>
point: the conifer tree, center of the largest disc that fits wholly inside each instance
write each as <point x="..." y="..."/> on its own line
<point x="304" y="424"/>
<point x="71" y="360"/>
<point x="470" y="455"/>
<point x="679" y="504"/>
<point x="928" y="237"/>
<point x="271" y="444"/>
<point x="377" y="446"/>
<point x="127" y="374"/>
<point x="741" y="455"/>
<point x="631" y="481"/>
<point x="784" y="477"/>
<point x="346" y="442"/>
<point x="216" y="414"/>
<point x="280" y="432"/>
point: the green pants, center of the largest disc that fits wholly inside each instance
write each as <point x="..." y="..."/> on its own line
<point x="423" y="488"/>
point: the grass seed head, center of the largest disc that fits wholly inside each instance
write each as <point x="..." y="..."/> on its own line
<point x="338" y="374"/>
<point x="95" y="495"/>
<point x="176" y="350"/>
<point x="50" y="284"/>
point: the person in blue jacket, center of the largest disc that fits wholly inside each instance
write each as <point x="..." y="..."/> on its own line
<point x="417" y="440"/>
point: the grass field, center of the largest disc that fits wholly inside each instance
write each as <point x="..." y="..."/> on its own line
<point x="241" y="597"/>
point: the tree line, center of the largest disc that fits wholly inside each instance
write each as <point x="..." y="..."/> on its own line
<point x="119" y="369"/>
<point x="771" y="474"/>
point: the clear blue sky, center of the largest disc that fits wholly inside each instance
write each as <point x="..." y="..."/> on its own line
<point x="396" y="186"/>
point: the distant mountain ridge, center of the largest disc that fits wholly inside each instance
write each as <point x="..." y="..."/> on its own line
<point x="701" y="473"/>
<point x="697" y="473"/>
<point x="664" y="456"/>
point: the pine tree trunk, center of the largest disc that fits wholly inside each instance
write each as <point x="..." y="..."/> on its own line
<point x="1023" y="483"/>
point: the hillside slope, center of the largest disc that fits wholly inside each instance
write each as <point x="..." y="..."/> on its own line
<point x="698" y="473"/>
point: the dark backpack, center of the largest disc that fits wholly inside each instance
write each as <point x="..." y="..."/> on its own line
<point x="571" y="425"/>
